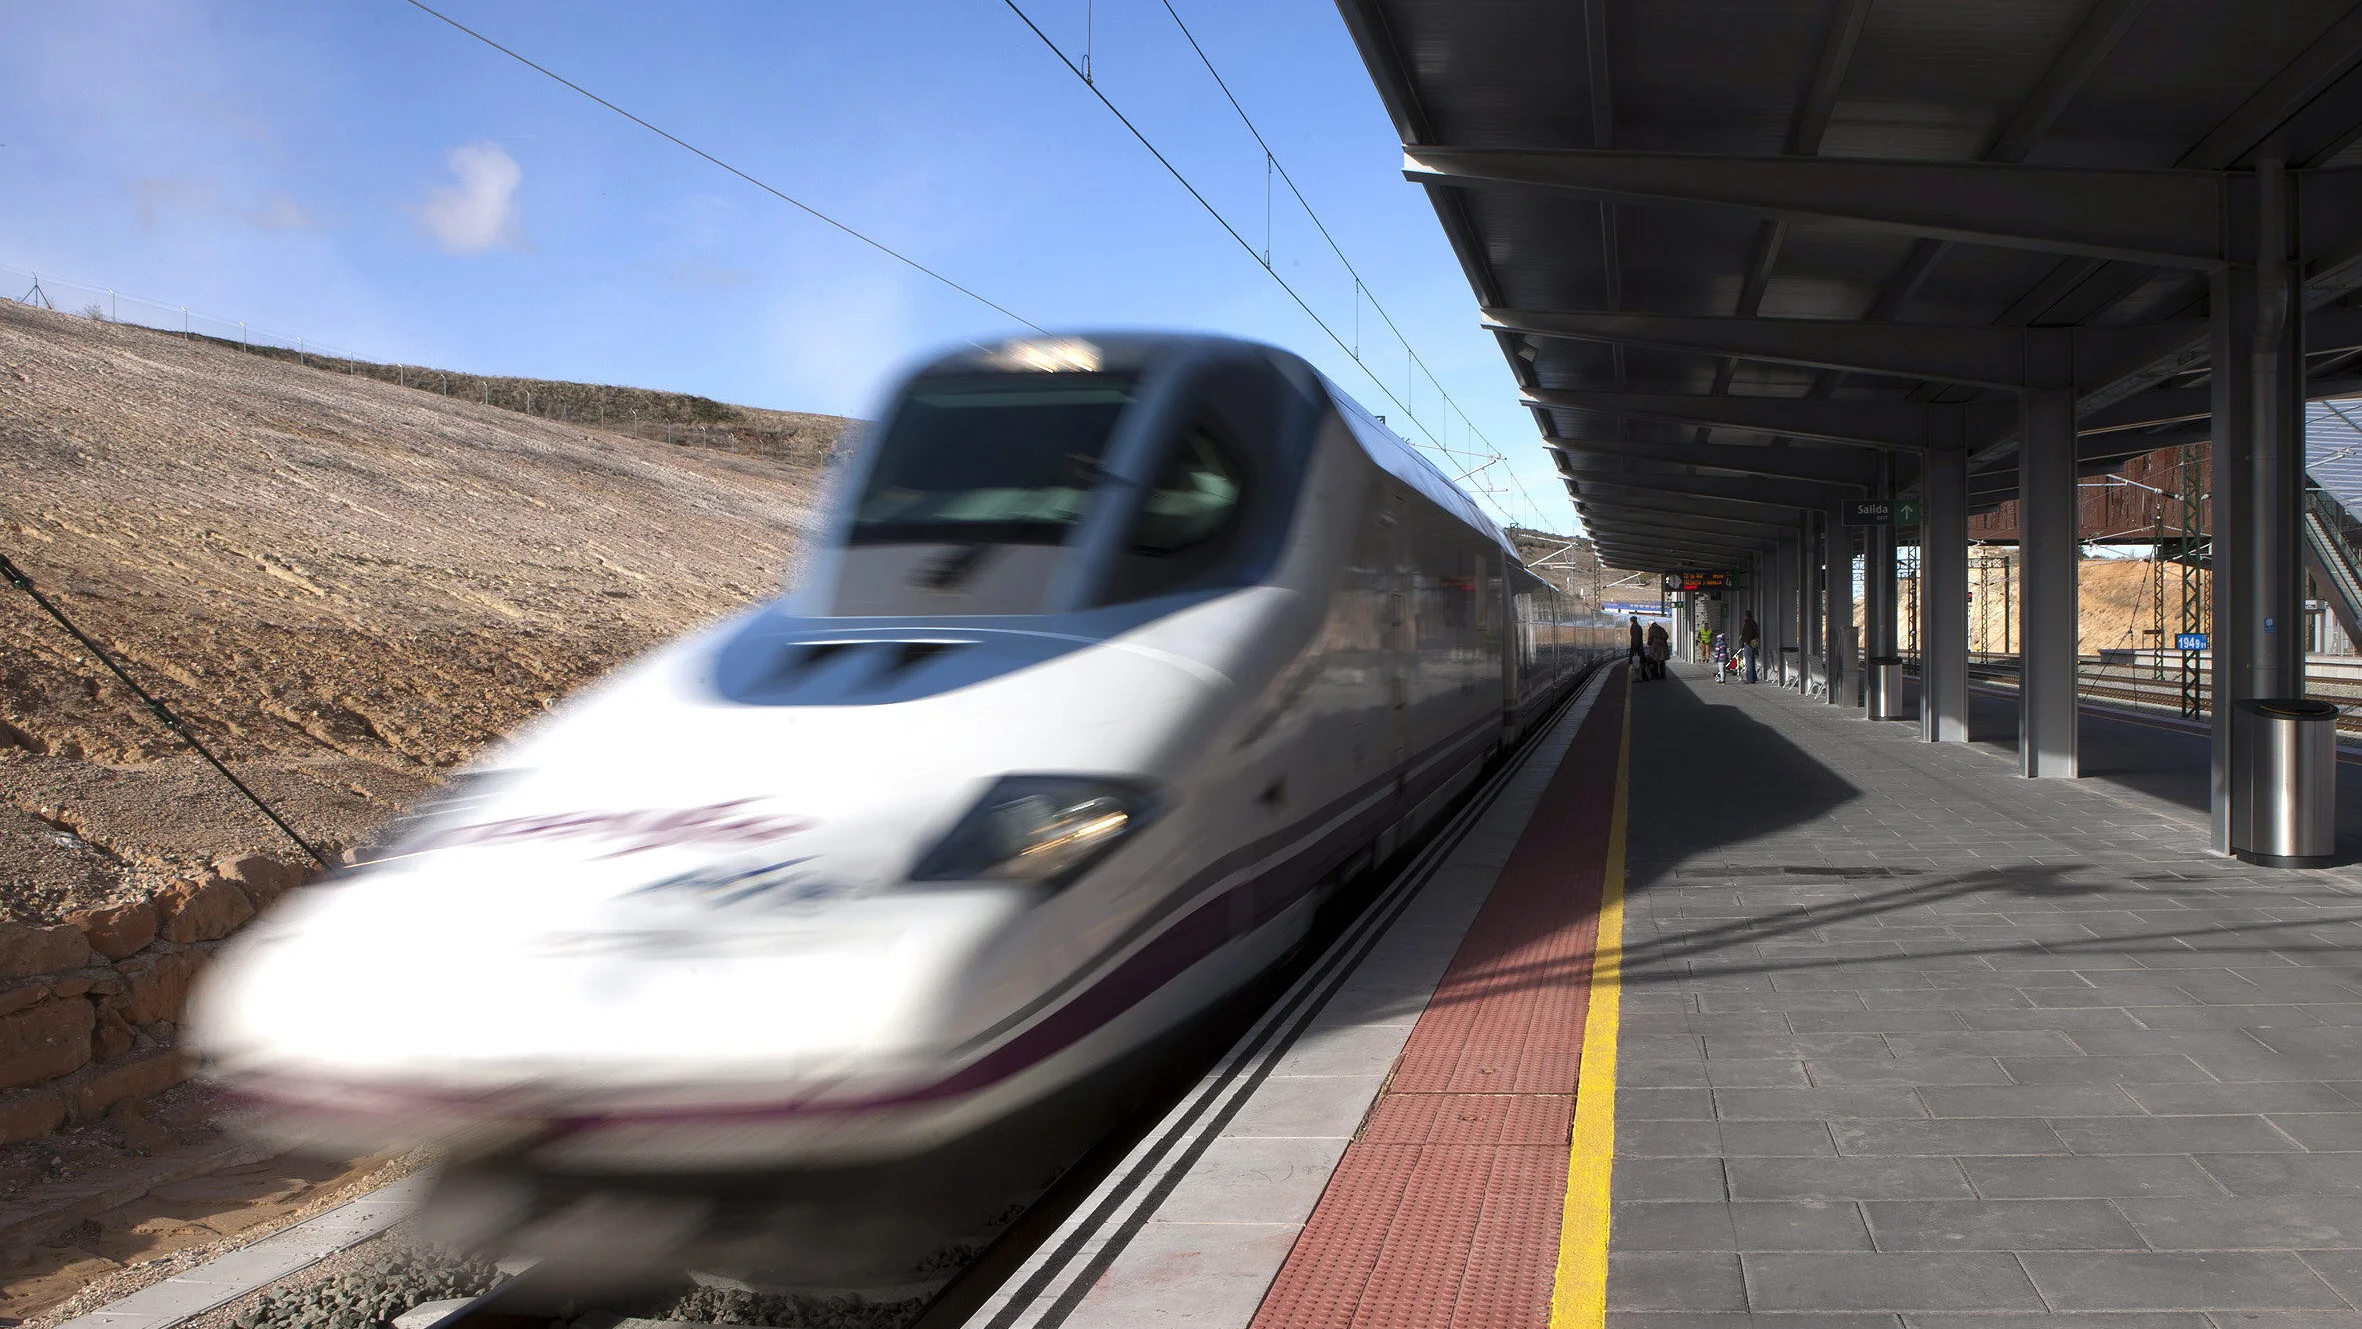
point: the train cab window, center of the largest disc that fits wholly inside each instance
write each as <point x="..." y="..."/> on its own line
<point x="1215" y="482"/>
<point x="990" y="459"/>
<point x="1192" y="501"/>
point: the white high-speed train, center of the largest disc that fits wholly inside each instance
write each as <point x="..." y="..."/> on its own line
<point x="801" y="934"/>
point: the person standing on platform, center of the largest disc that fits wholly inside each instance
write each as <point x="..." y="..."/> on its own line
<point x="1705" y="640"/>
<point x="1750" y="640"/>
<point x="1638" y="653"/>
<point x="1660" y="647"/>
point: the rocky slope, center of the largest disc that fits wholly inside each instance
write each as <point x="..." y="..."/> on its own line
<point x="347" y="585"/>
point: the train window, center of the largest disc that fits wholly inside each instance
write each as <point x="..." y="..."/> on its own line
<point x="990" y="459"/>
<point x="1220" y="477"/>
<point x="1192" y="501"/>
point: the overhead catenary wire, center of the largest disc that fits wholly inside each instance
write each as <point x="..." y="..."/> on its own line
<point x="1252" y="252"/>
<point x="164" y="714"/>
<point x="691" y="148"/>
<point x="1489" y="459"/>
<point x="1272" y="164"/>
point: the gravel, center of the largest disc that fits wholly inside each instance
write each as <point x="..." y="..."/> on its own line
<point x="370" y="1295"/>
<point x="725" y="1306"/>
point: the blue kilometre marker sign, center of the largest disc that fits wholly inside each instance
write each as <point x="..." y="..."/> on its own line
<point x="2189" y="641"/>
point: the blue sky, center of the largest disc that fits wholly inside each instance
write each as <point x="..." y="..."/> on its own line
<point x="363" y="175"/>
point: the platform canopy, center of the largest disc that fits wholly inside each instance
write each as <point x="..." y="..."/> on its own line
<point x="1738" y="254"/>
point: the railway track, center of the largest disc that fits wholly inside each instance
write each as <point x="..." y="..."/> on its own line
<point x="2138" y="685"/>
<point x="543" y="1297"/>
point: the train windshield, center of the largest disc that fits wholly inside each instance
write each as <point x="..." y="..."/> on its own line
<point x="991" y="459"/>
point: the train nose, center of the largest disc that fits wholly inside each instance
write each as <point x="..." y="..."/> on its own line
<point x="555" y="1019"/>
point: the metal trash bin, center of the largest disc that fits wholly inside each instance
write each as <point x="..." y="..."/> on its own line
<point x="2284" y="782"/>
<point x="1882" y="688"/>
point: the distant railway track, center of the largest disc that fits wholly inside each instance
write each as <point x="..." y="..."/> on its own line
<point x="2138" y="685"/>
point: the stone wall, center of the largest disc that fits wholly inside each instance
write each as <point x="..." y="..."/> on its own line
<point x="90" y="1008"/>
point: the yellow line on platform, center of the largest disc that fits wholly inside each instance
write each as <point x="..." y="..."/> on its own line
<point x="1579" y="1298"/>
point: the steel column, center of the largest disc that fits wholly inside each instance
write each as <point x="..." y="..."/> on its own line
<point x="2264" y="574"/>
<point x="2048" y="624"/>
<point x="2232" y="302"/>
<point x="1780" y="629"/>
<point x="1807" y="603"/>
<point x="2276" y="578"/>
<point x="1943" y="598"/>
<point x="1844" y="671"/>
<point x="1879" y="621"/>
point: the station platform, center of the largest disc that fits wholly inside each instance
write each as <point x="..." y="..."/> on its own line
<point x="1893" y="1037"/>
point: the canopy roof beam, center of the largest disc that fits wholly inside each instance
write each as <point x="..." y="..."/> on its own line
<point x="1976" y="355"/>
<point x="1674" y="480"/>
<point x="2169" y="218"/>
<point x="1821" y="464"/>
<point x="1866" y="424"/>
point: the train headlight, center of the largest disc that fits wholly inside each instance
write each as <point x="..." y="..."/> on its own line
<point x="1043" y="829"/>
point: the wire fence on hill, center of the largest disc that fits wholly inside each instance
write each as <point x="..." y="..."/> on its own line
<point x="49" y="291"/>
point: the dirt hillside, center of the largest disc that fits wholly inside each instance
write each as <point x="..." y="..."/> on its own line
<point x="2115" y="601"/>
<point x="347" y="585"/>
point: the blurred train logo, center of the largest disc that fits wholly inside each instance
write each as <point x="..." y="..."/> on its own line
<point x="712" y="824"/>
<point x="720" y="886"/>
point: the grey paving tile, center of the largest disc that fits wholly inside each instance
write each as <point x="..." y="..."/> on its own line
<point x="2322" y="1130"/>
<point x="1803" y="1225"/>
<point x="1705" y="1226"/>
<point x="1678" y="1225"/>
<point x="1675" y="1281"/>
<point x="2230" y="1281"/>
<point x="1946" y="1137"/>
<point x="1869" y="1021"/>
<point x="2052" y="1320"/>
<point x="2059" y="1017"/>
<point x="1668" y="1139"/>
<point x="2158" y="1069"/>
<point x="2286" y="1173"/>
<point x="2188" y="1042"/>
<point x="1943" y="999"/>
<point x="1777" y="1139"/>
<point x="1893" y="1282"/>
<point x="1755" y="1073"/>
<point x="1984" y="1043"/>
<point x="2287" y="1096"/>
<point x="1849" y="1072"/>
<point x="1778" y="1001"/>
<point x="1999" y="1225"/>
<point x="1647" y="1103"/>
<point x="2298" y="1222"/>
<point x="2225" y="1017"/>
<point x="1668" y="1179"/>
<point x="1797" y="1046"/>
<point x="1846" y="1179"/>
<point x="2087" y="1178"/>
<point x="2342" y="1270"/>
<point x="1816" y="1104"/>
<point x="2170" y="1135"/>
<point x="2276" y="1067"/>
<point x="2042" y="1100"/>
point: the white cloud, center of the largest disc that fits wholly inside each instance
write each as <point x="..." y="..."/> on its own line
<point x="480" y="212"/>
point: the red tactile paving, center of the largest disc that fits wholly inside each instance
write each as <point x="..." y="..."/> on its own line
<point x="1445" y="1210"/>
